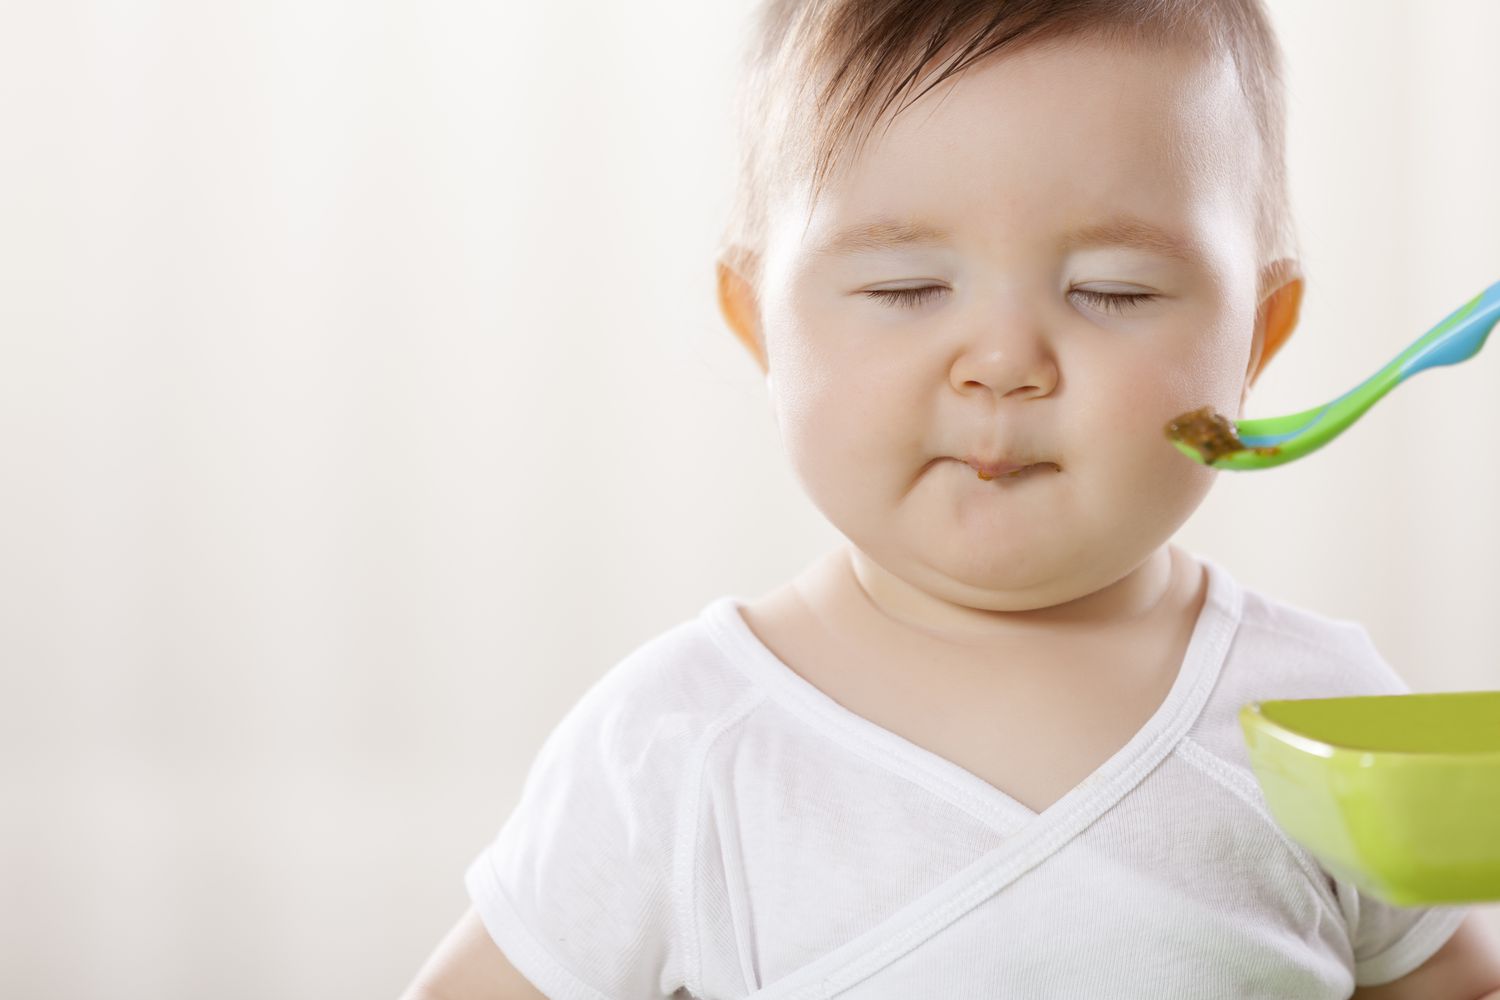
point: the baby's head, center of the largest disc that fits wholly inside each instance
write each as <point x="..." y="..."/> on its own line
<point x="1028" y="232"/>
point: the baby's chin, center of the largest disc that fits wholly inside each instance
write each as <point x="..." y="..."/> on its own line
<point x="1025" y="570"/>
<point x="1009" y="591"/>
<point x="1068" y="596"/>
<point x="1022" y="577"/>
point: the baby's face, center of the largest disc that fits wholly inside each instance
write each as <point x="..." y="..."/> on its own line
<point x="891" y="366"/>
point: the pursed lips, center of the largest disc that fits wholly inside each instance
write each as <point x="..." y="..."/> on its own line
<point x="996" y="469"/>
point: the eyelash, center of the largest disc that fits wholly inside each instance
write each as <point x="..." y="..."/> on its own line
<point x="910" y="298"/>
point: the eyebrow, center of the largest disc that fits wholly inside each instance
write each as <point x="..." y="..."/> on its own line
<point x="1122" y="231"/>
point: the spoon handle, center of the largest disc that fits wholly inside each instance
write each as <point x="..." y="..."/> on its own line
<point x="1457" y="338"/>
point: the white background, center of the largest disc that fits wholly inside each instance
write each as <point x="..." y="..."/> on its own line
<point x="364" y="397"/>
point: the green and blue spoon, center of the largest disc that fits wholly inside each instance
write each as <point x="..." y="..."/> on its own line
<point x="1265" y="442"/>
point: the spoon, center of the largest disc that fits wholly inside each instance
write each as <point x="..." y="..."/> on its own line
<point x="1210" y="438"/>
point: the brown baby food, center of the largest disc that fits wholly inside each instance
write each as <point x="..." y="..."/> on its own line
<point x="1208" y="432"/>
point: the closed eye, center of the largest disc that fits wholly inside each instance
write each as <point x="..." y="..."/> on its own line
<point x="910" y="298"/>
<point x="1116" y="302"/>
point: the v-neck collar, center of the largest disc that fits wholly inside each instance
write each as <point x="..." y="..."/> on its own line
<point x="1196" y="675"/>
<point x="1030" y="837"/>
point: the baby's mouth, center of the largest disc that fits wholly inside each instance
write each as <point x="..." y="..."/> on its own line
<point x="1009" y="470"/>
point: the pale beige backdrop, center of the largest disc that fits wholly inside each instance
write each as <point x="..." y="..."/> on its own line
<point x="363" y="398"/>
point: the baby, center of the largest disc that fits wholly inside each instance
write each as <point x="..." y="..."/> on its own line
<point x="983" y="253"/>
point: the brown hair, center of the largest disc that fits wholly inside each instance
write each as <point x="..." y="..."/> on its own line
<point x="814" y="70"/>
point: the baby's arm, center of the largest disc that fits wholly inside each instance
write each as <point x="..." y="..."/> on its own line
<point x="467" y="965"/>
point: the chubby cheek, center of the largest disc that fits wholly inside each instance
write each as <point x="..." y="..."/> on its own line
<point x="835" y="433"/>
<point x="1191" y="369"/>
<point x="847" y="431"/>
<point x="839" y="394"/>
<point x="1129" y="414"/>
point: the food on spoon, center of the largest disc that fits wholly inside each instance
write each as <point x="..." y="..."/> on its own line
<point x="1210" y="434"/>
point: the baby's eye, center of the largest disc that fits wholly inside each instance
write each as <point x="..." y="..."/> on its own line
<point x="1116" y="302"/>
<point x="908" y="298"/>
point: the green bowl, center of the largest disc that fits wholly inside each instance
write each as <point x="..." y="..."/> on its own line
<point x="1398" y="794"/>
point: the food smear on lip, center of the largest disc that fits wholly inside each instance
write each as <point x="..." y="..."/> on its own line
<point x="1210" y="434"/>
<point x="1014" y="473"/>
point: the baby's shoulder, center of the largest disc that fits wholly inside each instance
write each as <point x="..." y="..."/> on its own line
<point x="668" y="690"/>
<point x="1282" y="652"/>
<point x="1309" y="653"/>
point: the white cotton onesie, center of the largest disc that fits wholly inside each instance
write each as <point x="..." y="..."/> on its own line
<point x="706" y="823"/>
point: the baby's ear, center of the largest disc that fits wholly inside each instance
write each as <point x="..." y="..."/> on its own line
<point x="737" y="303"/>
<point x="1275" y="315"/>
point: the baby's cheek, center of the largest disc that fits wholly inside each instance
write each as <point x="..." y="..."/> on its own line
<point x="1196" y="376"/>
<point x="1132" y="398"/>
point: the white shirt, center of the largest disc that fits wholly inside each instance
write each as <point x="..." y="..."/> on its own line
<point x="705" y="823"/>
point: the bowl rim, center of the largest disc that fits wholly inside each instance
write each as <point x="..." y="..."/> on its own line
<point x="1251" y="713"/>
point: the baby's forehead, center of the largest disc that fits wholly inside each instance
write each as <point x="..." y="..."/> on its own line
<point x="1022" y="140"/>
<point x="1082" y="111"/>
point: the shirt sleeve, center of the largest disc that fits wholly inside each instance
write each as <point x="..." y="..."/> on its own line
<point x="1390" y="941"/>
<point x="578" y="888"/>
